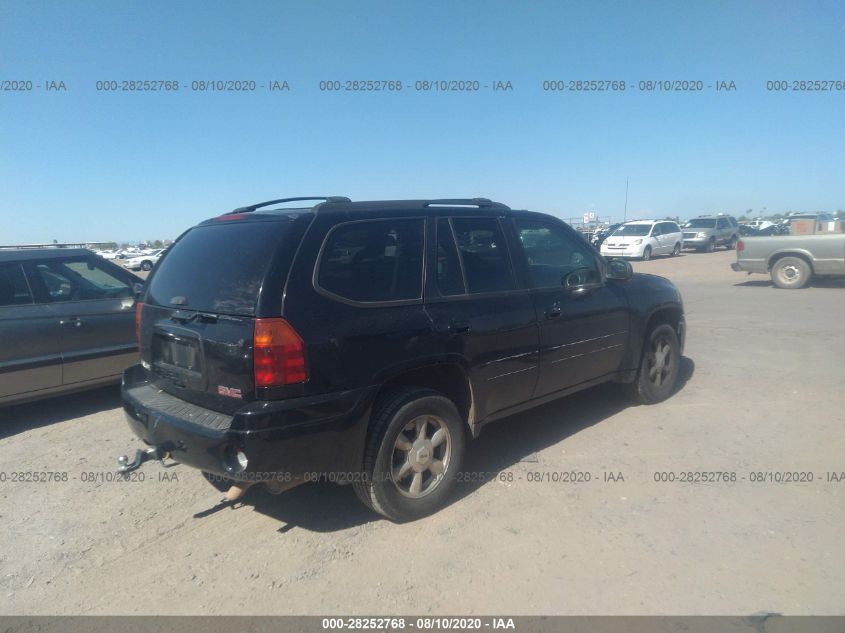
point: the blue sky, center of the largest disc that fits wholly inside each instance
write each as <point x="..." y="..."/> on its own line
<point x="87" y="165"/>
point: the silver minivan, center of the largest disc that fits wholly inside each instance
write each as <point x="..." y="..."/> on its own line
<point x="67" y="322"/>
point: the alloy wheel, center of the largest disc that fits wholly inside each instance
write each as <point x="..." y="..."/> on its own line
<point x="421" y="456"/>
<point x="660" y="362"/>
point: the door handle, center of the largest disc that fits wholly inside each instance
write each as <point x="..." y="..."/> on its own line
<point x="459" y="327"/>
<point x="553" y="312"/>
<point x="74" y="321"/>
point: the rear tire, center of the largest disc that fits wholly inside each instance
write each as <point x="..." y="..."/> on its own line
<point x="791" y="273"/>
<point x="146" y="265"/>
<point x="677" y="250"/>
<point x="731" y="245"/>
<point x="414" y="451"/>
<point x="646" y="254"/>
<point x="659" y="367"/>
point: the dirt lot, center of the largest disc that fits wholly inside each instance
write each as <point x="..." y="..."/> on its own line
<point x="762" y="393"/>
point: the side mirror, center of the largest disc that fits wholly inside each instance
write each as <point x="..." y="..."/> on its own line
<point x="619" y="269"/>
<point x="138" y="289"/>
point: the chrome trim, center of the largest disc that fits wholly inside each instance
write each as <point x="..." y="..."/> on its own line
<point x="586" y="340"/>
<point x="511" y="373"/>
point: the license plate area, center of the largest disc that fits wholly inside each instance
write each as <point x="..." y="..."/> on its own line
<point x="178" y="359"/>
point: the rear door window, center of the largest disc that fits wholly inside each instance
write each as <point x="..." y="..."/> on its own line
<point x="373" y="261"/>
<point x="14" y="290"/>
<point x="484" y="255"/>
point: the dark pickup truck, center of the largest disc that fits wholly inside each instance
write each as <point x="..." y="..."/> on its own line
<point x="366" y="342"/>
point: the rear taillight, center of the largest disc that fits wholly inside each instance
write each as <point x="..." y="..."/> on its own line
<point x="740" y="246"/>
<point x="279" y="354"/>
<point x="139" y="307"/>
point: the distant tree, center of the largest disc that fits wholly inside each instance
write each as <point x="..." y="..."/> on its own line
<point x="749" y="212"/>
<point x="742" y="218"/>
<point x="777" y="216"/>
<point x="55" y="241"/>
<point x="157" y="244"/>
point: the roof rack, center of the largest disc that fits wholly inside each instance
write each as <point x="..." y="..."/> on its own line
<point x="253" y="207"/>
<point x="481" y="203"/>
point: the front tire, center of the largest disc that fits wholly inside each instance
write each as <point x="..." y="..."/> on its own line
<point x="711" y="245"/>
<point x="414" y="451"/>
<point x="791" y="273"/>
<point x="659" y="367"/>
<point x="646" y="254"/>
<point x="146" y="265"/>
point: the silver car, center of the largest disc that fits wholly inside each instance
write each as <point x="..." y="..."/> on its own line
<point x="706" y="232"/>
<point x="67" y="322"/>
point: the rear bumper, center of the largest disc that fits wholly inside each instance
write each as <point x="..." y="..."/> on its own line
<point x="320" y="435"/>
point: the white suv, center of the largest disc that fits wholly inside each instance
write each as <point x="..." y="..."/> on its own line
<point x="644" y="238"/>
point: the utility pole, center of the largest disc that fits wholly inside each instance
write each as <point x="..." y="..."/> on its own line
<point x="625" y="217"/>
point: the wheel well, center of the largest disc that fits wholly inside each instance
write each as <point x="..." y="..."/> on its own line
<point x="774" y="258"/>
<point x="671" y="316"/>
<point x="447" y="378"/>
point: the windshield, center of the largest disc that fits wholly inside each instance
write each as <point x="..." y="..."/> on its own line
<point x="633" y="229"/>
<point x="701" y="223"/>
<point x="203" y="271"/>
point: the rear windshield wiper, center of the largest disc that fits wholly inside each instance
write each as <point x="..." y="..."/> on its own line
<point x="186" y="316"/>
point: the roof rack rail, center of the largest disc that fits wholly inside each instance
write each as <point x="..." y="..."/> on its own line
<point x="481" y="203"/>
<point x="253" y="207"/>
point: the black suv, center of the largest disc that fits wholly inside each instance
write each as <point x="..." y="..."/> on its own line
<point x="365" y="342"/>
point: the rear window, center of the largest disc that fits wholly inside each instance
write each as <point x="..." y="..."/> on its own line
<point x="218" y="268"/>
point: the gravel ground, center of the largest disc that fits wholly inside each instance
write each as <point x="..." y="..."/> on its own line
<point x="762" y="392"/>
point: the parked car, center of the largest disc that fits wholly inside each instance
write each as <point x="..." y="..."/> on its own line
<point x="66" y="322"/>
<point x="818" y="217"/>
<point x="368" y="341"/>
<point x="145" y="261"/>
<point x="109" y="255"/>
<point x="794" y="259"/>
<point x="644" y="238"/>
<point x="706" y="232"/>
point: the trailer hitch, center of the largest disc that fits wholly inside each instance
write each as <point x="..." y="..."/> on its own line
<point x="141" y="456"/>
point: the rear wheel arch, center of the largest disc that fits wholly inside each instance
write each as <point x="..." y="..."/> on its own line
<point x="448" y="378"/>
<point x="799" y="254"/>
